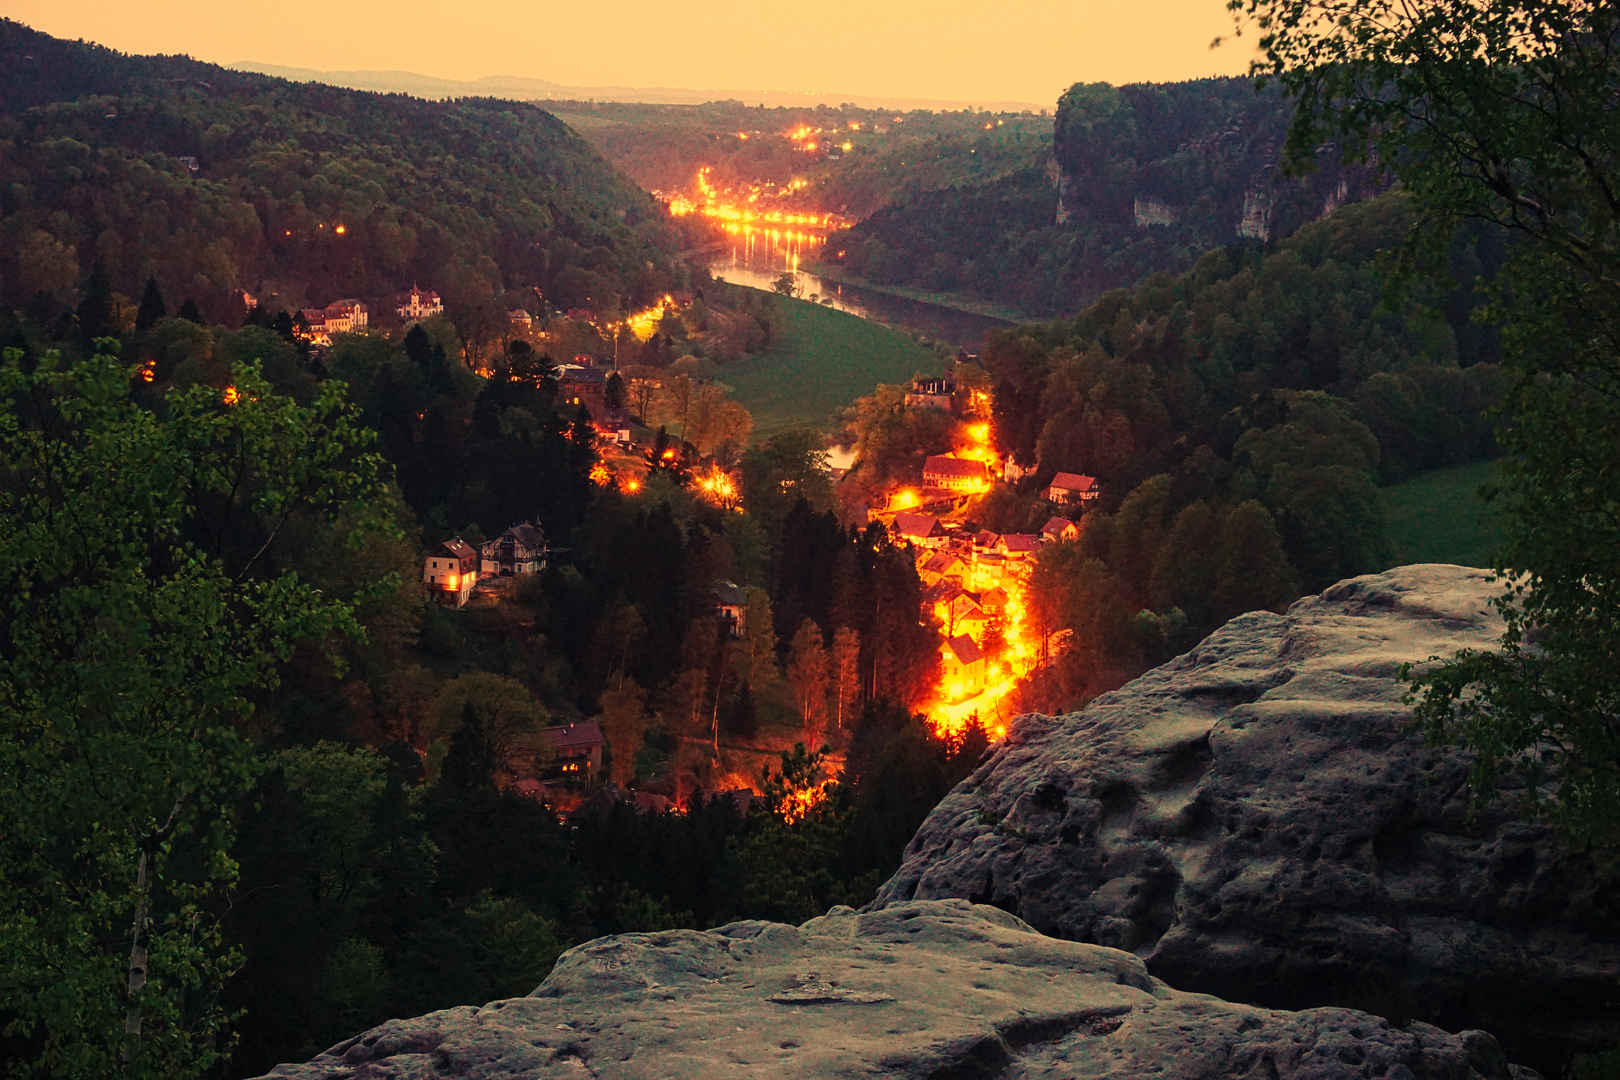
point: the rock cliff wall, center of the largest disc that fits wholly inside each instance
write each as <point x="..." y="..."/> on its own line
<point x="1252" y="820"/>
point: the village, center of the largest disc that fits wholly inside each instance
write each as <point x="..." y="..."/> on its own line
<point x="976" y="581"/>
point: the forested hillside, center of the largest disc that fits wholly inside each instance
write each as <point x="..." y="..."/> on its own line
<point x="1240" y="418"/>
<point x="1143" y="179"/>
<point x="216" y="181"/>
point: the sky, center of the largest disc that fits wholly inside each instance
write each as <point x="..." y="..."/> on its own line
<point x="1008" y="50"/>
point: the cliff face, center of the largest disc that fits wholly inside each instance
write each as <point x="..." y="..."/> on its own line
<point x="1197" y="158"/>
<point x="1252" y="820"/>
<point x="920" y="990"/>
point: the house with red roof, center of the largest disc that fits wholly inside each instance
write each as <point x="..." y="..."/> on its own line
<point x="924" y="530"/>
<point x="1059" y="529"/>
<point x="1070" y="489"/>
<point x="450" y="572"/>
<point x="579" y="750"/>
<point x="963" y="667"/>
<point x="955" y="474"/>
<point x="418" y="304"/>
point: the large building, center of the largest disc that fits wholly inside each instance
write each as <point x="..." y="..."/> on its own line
<point x="936" y="393"/>
<point x="519" y="550"/>
<point x="339" y="317"/>
<point x="417" y="304"/>
<point x="955" y="474"/>
<point x="1067" y="489"/>
<point x="450" y="572"/>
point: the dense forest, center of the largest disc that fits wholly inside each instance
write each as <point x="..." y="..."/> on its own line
<point x="1239" y="418"/>
<point x="379" y="839"/>
<point x="1142" y="179"/>
<point x="216" y="181"/>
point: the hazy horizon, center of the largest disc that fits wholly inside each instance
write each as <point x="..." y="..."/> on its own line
<point x="952" y="53"/>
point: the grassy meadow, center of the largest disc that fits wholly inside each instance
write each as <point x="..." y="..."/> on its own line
<point x="1438" y="517"/>
<point x="823" y="363"/>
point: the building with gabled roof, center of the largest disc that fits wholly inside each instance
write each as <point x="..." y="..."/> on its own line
<point x="418" y="304"/>
<point x="962" y="666"/>
<point x="731" y="602"/>
<point x="1068" y="489"/>
<point x="578" y="748"/>
<point x="923" y="530"/>
<point x="1019" y="545"/>
<point x="450" y="572"/>
<point x="519" y="550"/>
<point x="942" y="566"/>
<point x="1058" y="529"/>
<point x="956" y="474"/>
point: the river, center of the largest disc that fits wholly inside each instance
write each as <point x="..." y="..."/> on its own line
<point x="756" y="257"/>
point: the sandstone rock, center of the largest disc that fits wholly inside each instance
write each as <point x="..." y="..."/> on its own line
<point x="937" y="990"/>
<point x="1252" y="820"/>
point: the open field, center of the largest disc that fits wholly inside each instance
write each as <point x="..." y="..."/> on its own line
<point x="1437" y="517"/>
<point x="825" y="361"/>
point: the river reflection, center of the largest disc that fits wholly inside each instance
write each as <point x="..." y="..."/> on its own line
<point x="757" y="257"/>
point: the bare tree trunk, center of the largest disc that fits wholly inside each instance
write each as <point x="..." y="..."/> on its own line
<point x="137" y="963"/>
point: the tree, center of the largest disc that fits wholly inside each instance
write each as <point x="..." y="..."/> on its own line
<point x="807" y="673"/>
<point x="846" y="674"/>
<point x="1502" y="112"/>
<point x="139" y="617"/>
<point x="624" y="722"/>
<point x="614" y="393"/>
<point x="191" y="313"/>
<point x="509" y="719"/>
<point x="97" y="310"/>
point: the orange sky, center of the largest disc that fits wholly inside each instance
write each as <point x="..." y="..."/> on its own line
<point x="1013" y="50"/>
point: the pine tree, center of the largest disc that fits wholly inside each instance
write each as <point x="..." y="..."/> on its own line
<point x="152" y="310"/>
<point x="190" y="311"/>
<point x="98" y="311"/>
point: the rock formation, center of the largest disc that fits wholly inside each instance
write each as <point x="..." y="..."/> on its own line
<point x="940" y="989"/>
<point x="1252" y="820"/>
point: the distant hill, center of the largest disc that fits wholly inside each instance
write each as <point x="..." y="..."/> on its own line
<point x="1143" y="179"/>
<point x="518" y="88"/>
<point x="216" y="181"/>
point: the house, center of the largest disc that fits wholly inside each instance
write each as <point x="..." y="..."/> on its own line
<point x="989" y="569"/>
<point x="941" y="596"/>
<point x="519" y="550"/>
<point x="450" y="572"/>
<point x="994" y="602"/>
<point x="931" y="394"/>
<point x="579" y="750"/>
<point x="612" y="795"/>
<point x="965" y="616"/>
<point x="1068" y="489"/>
<point x="1012" y="472"/>
<point x="1018" y="545"/>
<point x="614" y="426"/>
<point x="578" y="384"/>
<point x="955" y="474"/>
<point x="1059" y="529"/>
<point x="963" y="667"/>
<point x="338" y="317"/>
<point x="731" y="602"/>
<point x="520" y="318"/>
<point x="417" y="304"/>
<point x="942" y="566"/>
<point x="921" y="529"/>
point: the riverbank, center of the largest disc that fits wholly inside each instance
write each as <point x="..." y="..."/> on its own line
<point x="956" y="301"/>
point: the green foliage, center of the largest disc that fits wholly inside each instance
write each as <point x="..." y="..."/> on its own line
<point x="140" y="618"/>
<point x="823" y="359"/>
<point x="1502" y="112"/>
<point x="471" y="197"/>
<point x="1438" y="517"/>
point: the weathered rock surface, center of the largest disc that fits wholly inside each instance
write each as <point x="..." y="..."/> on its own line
<point x="1253" y="822"/>
<point x="936" y="990"/>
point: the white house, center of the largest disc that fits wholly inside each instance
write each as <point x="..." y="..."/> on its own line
<point x="417" y="304"/>
<point x="519" y="550"/>
<point x="1069" y="488"/>
<point x="450" y="572"/>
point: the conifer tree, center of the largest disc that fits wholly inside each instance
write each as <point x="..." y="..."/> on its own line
<point x="97" y="310"/>
<point x="190" y="311"/>
<point x="152" y="310"/>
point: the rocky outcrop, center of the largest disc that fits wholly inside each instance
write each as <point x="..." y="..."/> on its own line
<point x="921" y="989"/>
<point x="1252" y="820"/>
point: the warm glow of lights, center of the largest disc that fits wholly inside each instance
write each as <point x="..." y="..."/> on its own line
<point x="906" y="498"/>
<point x="601" y="475"/>
<point x="718" y="486"/>
<point x="451" y="581"/>
<point x="744" y="208"/>
<point x="341" y="229"/>
<point x="149" y="371"/>
<point x="630" y="485"/>
<point x="799" y="803"/>
<point x="231" y="396"/>
<point x="848" y="146"/>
